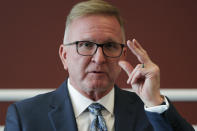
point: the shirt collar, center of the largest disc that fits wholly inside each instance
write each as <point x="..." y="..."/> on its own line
<point x="80" y="102"/>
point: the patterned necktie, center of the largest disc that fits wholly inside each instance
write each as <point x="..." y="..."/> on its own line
<point x="98" y="124"/>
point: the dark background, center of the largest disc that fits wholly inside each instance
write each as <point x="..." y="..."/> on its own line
<point x="32" y="30"/>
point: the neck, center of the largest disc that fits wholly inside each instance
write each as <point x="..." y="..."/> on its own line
<point x="93" y="93"/>
<point x="96" y="95"/>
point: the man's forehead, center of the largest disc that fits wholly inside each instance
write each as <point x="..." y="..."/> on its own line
<point x="100" y="41"/>
<point x="95" y="27"/>
<point x="96" y="21"/>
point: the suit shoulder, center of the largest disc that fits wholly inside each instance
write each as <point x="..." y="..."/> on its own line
<point x="38" y="100"/>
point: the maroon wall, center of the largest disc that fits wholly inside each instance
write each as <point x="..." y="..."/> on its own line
<point x="31" y="32"/>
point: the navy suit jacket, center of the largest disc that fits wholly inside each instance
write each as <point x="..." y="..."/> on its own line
<point x="54" y="112"/>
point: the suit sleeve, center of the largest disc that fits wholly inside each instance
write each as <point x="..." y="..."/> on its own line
<point x="170" y="120"/>
<point x="176" y="121"/>
<point x="12" y="119"/>
<point x="158" y="122"/>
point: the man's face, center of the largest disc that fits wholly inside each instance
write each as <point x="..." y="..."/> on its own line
<point x="98" y="72"/>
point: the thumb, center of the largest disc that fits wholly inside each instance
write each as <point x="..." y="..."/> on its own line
<point x="126" y="66"/>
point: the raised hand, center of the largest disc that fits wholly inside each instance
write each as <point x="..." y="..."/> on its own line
<point x="145" y="77"/>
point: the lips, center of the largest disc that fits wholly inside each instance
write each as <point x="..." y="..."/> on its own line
<point x="97" y="72"/>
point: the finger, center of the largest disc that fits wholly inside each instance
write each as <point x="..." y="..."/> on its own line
<point x="133" y="72"/>
<point x="137" y="44"/>
<point x="137" y="76"/>
<point x="138" y="51"/>
<point x="133" y="48"/>
<point x="126" y="66"/>
<point x="135" y="88"/>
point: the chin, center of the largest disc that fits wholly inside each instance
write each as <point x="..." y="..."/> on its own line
<point x="98" y="85"/>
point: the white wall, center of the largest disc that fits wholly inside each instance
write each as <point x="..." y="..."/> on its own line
<point x="20" y="94"/>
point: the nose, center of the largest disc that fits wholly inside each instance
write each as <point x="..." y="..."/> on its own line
<point x="99" y="57"/>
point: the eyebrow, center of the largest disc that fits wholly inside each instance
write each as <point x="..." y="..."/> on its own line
<point x="106" y="41"/>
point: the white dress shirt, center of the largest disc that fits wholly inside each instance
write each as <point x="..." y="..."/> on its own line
<point x="84" y="117"/>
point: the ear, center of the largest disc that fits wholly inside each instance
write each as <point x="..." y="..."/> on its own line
<point x="62" y="54"/>
<point x="124" y="53"/>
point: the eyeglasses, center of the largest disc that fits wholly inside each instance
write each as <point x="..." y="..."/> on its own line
<point x="87" y="48"/>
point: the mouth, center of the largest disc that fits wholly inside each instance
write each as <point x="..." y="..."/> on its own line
<point x="99" y="72"/>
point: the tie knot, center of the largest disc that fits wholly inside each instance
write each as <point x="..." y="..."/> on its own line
<point x="95" y="109"/>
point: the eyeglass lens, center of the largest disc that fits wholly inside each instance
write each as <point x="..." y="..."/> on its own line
<point x="110" y="49"/>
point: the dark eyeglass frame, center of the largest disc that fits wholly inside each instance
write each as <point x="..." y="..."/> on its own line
<point x="98" y="45"/>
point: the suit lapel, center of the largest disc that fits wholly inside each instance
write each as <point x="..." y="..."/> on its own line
<point x="62" y="117"/>
<point x="124" y="110"/>
<point x="61" y="112"/>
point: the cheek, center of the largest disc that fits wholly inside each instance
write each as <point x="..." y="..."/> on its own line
<point x="114" y="69"/>
<point x="77" y="65"/>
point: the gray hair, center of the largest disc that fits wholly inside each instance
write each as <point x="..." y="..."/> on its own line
<point x="93" y="7"/>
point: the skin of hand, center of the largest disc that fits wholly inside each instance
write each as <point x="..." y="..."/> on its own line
<point x="145" y="81"/>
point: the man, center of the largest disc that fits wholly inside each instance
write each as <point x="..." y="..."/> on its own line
<point x="93" y="53"/>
